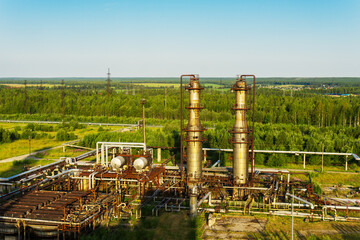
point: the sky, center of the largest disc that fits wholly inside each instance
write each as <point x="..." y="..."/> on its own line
<point x="212" y="38"/>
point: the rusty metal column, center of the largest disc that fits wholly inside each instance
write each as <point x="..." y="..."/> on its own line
<point x="240" y="131"/>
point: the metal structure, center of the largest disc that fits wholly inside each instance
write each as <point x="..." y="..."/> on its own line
<point x="240" y="131"/>
<point x="65" y="198"/>
<point x="194" y="139"/>
<point x="108" y="83"/>
<point x="194" y="131"/>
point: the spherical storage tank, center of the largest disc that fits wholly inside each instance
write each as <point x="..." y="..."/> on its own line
<point x="140" y="163"/>
<point x="117" y="162"/>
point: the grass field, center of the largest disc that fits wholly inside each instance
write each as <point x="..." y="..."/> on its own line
<point x="351" y="168"/>
<point x="21" y="147"/>
<point x="336" y="179"/>
<point x="280" y="228"/>
<point x="5" y="125"/>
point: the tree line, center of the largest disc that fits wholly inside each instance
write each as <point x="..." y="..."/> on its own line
<point x="271" y="105"/>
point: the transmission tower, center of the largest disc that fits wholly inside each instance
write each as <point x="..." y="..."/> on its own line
<point x="108" y="83"/>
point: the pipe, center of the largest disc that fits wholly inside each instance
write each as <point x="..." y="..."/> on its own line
<point x="301" y="200"/>
<point x="215" y="164"/>
<point x="208" y="195"/>
<point x="250" y="188"/>
<point x="92" y="180"/>
<point x="49" y="221"/>
<point x="289" y="204"/>
<point x="341" y="207"/>
<point x="287" y="152"/>
<point x="32" y="170"/>
<point x="106" y="145"/>
<point x="48" y="178"/>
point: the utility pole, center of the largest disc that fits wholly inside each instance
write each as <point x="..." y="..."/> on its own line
<point x="143" y="101"/>
<point x="63" y="97"/>
<point x="220" y="147"/>
<point x="30" y="143"/>
<point x="292" y="215"/>
<point x="322" y="158"/>
<point x="26" y="97"/>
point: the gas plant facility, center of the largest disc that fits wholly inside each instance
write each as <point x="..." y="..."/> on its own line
<point x="63" y="199"/>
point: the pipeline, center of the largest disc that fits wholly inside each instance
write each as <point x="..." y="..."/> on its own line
<point x="301" y="200"/>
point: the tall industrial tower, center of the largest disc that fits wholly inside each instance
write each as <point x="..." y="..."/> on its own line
<point x="194" y="131"/>
<point x="240" y="131"/>
<point x="193" y="139"/>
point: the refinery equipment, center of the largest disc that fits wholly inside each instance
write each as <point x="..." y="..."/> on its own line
<point x="241" y="139"/>
<point x="66" y="198"/>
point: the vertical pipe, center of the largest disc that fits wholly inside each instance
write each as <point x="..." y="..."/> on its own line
<point x="143" y="101"/>
<point x="159" y="154"/>
<point x="193" y="205"/>
<point x="182" y="125"/>
<point x="253" y="129"/>
<point x="181" y="129"/>
<point x="102" y="154"/>
<point x="346" y="163"/>
<point x="106" y="155"/>
<point x="97" y="153"/>
<point x="304" y="160"/>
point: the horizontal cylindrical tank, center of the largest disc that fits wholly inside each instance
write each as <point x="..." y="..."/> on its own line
<point x="140" y="163"/>
<point x="44" y="231"/>
<point x="8" y="228"/>
<point x="117" y="162"/>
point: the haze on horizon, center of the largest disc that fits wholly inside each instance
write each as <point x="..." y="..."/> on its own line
<point x="168" y="38"/>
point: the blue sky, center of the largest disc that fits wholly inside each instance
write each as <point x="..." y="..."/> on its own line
<point x="168" y="38"/>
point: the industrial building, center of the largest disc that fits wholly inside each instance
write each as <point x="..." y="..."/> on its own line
<point x="68" y="197"/>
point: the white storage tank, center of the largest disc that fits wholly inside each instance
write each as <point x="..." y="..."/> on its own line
<point x="140" y="163"/>
<point x="117" y="162"/>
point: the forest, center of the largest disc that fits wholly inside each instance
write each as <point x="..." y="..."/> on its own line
<point x="303" y="119"/>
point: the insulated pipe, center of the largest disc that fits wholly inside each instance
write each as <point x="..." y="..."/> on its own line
<point x="48" y="178"/>
<point x="301" y="200"/>
<point x="32" y="170"/>
<point x="208" y="195"/>
<point x="104" y="146"/>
